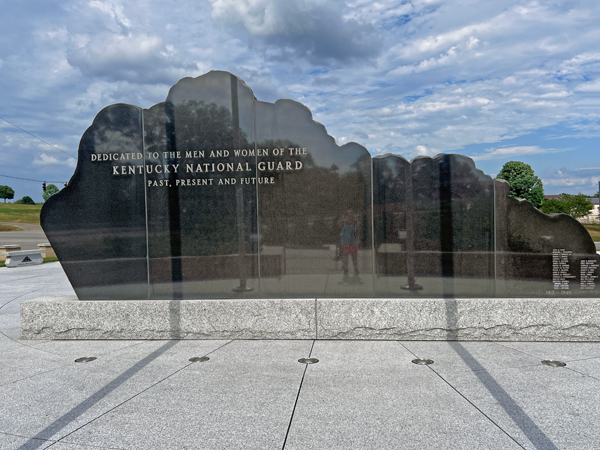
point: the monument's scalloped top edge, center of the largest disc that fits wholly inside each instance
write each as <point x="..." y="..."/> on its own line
<point x="438" y="156"/>
<point x="78" y="168"/>
<point x="297" y="103"/>
<point x="186" y="79"/>
<point x="324" y="129"/>
<point x="272" y="104"/>
<point x="527" y="204"/>
<point x="524" y="203"/>
<point x="99" y="114"/>
<point x="191" y="79"/>
<point x="388" y="155"/>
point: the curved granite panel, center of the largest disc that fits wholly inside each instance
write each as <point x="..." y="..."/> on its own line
<point x="540" y="255"/>
<point x="214" y="194"/>
<point x="97" y="224"/>
<point x="434" y="227"/>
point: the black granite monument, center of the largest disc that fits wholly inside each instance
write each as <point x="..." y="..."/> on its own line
<point x="214" y="194"/>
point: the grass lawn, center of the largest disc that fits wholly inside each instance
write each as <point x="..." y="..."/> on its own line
<point x="594" y="230"/>
<point x="9" y="212"/>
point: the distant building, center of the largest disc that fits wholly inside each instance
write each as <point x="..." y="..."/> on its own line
<point x="594" y="216"/>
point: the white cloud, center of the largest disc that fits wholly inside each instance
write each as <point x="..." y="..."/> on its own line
<point x="138" y="58"/>
<point x="456" y="103"/>
<point x="43" y="160"/>
<point x="114" y="11"/>
<point x="262" y="17"/>
<point x="557" y="94"/>
<point x="573" y="65"/>
<point x="422" y="150"/>
<point x="428" y="64"/>
<point x="588" y="182"/>
<point x="385" y="112"/>
<point x="380" y="11"/>
<point x="513" y="152"/>
<point x="590" y="86"/>
<point x="440" y="41"/>
<point x="314" y="29"/>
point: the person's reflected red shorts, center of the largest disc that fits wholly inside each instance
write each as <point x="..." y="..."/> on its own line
<point x="349" y="249"/>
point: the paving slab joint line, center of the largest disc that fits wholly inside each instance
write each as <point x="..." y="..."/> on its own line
<point x="579" y="359"/>
<point x="21" y="279"/>
<point x="86" y="407"/>
<point x="28" y="437"/>
<point x="581" y="373"/>
<point x="465" y="398"/>
<point x="316" y="320"/>
<point x="19" y="341"/>
<point x="519" y="417"/>
<point x="297" y="397"/>
<point x="33" y="375"/>
<point x="27" y="293"/>
<point x="476" y="407"/>
<point x="503" y="344"/>
<point x="122" y="403"/>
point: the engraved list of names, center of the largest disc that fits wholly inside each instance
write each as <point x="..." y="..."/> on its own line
<point x="588" y="267"/>
<point x="560" y="268"/>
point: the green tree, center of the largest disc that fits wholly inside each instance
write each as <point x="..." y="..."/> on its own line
<point x="554" y="206"/>
<point x="524" y="184"/>
<point x="577" y="206"/>
<point x="50" y="191"/>
<point x="6" y="192"/>
<point x="27" y="200"/>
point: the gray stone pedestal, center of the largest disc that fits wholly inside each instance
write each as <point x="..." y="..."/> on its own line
<point x="522" y="319"/>
<point x="24" y="258"/>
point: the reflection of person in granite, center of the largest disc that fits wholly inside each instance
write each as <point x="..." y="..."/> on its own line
<point x="349" y="240"/>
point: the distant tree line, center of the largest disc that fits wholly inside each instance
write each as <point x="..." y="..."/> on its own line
<point x="27" y="200"/>
<point x="577" y="206"/>
<point x="8" y="193"/>
<point x="524" y="184"/>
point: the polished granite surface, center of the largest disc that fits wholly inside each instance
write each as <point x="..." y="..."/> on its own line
<point x="215" y="194"/>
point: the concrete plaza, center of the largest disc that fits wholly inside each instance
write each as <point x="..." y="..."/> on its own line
<point x="256" y="395"/>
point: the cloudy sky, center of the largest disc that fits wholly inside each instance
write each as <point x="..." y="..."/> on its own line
<point x="497" y="80"/>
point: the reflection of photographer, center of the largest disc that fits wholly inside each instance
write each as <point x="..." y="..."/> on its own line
<point x="349" y="240"/>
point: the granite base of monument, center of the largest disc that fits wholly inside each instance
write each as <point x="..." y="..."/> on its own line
<point x="494" y="319"/>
